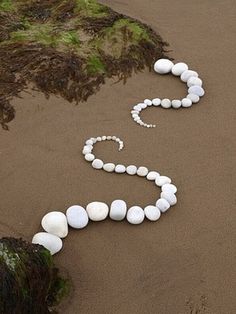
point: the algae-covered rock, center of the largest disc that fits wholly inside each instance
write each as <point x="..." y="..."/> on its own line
<point x="29" y="281"/>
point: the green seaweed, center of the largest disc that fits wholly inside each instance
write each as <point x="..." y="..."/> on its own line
<point x="95" y="65"/>
<point x="6" y="5"/>
<point x="91" y="8"/>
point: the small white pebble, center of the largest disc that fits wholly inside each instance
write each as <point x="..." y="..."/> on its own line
<point x="162" y="204"/>
<point x="152" y="212"/>
<point x="166" y="103"/>
<point x="186" y="102"/>
<point x="109" y="167"/>
<point x="89" y="157"/>
<point x="195" y="98"/>
<point x="185" y="76"/>
<point x="176" y="103"/>
<point x="148" y="102"/>
<point x="97" y="164"/>
<point x="179" y="68"/>
<point x="142" y="171"/>
<point x="194" y="81"/>
<point x="131" y="170"/>
<point x="152" y="175"/>
<point x="120" y="169"/>
<point x="156" y="102"/>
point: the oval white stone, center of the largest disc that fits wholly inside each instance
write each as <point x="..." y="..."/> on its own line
<point x="120" y="169"/>
<point x="176" y="103"/>
<point x="166" y="103"/>
<point x="179" y="68"/>
<point x="131" y="170"/>
<point x="163" y="66"/>
<point x="169" y="188"/>
<point x="197" y="90"/>
<point x="135" y="215"/>
<point x="55" y="223"/>
<point x="152" y="175"/>
<point x="161" y="180"/>
<point x="186" y="102"/>
<point x="194" y="81"/>
<point x="142" y="171"/>
<point x="152" y="212"/>
<point x="77" y="217"/>
<point x="89" y="142"/>
<point x="97" y="164"/>
<point x="170" y="197"/>
<point x="50" y="241"/>
<point x="185" y="76"/>
<point x="87" y="149"/>
<point x="118" y="210"/>
<point x="162" y="204"/>
<point x="97" y="211"/>
<point x="89" y="157"/>
<point x="194" y="98"/>
<point x="156" y="102"/>
<point x="143" y="106"/>
<point x="148" y="102"/>
<point x="109" y="167"/>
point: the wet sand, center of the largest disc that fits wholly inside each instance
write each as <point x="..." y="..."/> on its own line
<point x="185" y="263"/>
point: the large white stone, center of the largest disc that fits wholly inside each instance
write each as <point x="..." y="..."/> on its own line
<point x="152" y="212"/>
<point x="185" y="76"/>
<point x="176" y="103"/>
<point x="120" y="169"/>
<point x="55" y="223"/>
<point x="170" y="197"/>
<point x="89" y="157"/>
<point x="97" y="164"/>
<point x="118" y="210"/>
<point x="163" y="66"/>
<point x="197" y="90"/>
<point x="50" y="241"/>
<point x="162" y="204"/>
<point x="131" y="170"/>
<point x="166" y="103"/>
<point x="194" y="81"/>
<point x="152" y="175"/>
<point x="142" y="171"/>
<point x="135" y="215"/>
<point x="194" y="98"/>
<point x="179" y="68"/>
<point x="77" y="217"/>
<point x="109" y="167"/>
<point x="186" y="102"/>
<point x="97" y="211"/>
<point x="169" y="188"/>
<point x="161" y="180"/>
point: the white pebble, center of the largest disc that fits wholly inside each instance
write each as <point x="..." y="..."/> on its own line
<point x="89" y="142"/>
<point x="186" y="102"/>
<point x="152" y="212"/>
<point x="152" y="175"/>
<point x="163" y="66"/>
<point x="131" y="170"/>
<point x="77" y="217"/>
<point x="97" y="211"/>
<point x="162" y="204"/>
<point x="185" y="76"/>
<point x="99" y="139"/>
<point x="97" y="164"/>
<point x="161" y="180"/>
<point x="156" y="102"/>
<point x="169" y="188"/>
<point x="118" y="210"/>
<point x="135" y="215"/>
<point x="170" y="197"/>
<point x="120" y="169"/>
<point x="194" y="98"/>
<point x="87" y="149"/>
<point x="89" y="157"/>
<point x="55" y="223"/>
<point x="148" y="102"/>
<point x="179" y="68"/>
<point x="50" y="241"/>
<point x="166" y="103"/>
<point x="194" y="81"/>
<point x="142" y="171"/>
<point x="109" y="167"/>
<point x="176" y="103"/>
<point x="197" y="90"/>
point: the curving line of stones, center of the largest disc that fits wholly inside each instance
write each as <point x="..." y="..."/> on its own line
<point x="190" y="77"/>
<point x="55" y="223"/>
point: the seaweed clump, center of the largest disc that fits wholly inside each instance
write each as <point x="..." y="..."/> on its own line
<point x="29" y="281"/>
<point x="68" y="48"/>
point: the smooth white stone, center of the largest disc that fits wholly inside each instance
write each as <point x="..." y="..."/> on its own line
<point x="94" y="140"/>
<point x="194" y="81"/>
<point x="185" y="76"/>
<point x="186" y="102"/>
<point x="109" y="137"/>
<point x="99" y="139"/>
<point x="113" y="137"/>
<point x="143" y="106"/>
<point x="131" y="170"/>
<point x="109" y="167"/>
<point x="156" y="102"/>
<point x="166" y="103"/>
<point x="104" y="137"/>
<point x="137" y="119"/>
<point x="197" y="90"/>
<point x="194" y="98"/>
<point x="135" y="215"/>
<point x="161" y="180"/>
<point x="176" y="103"/>
<point x="152" y="175"/>
<point x="87" y="149"/>
<point x="120" y="169"/>
<point x="89" y="142"/>
<point x="169" y="188"/>
<point x="89" y="157"/>
<point x="142" y="171"/>
<point x="148" y="102"/>
<point x="134" y="115"/>
<point x="170" y="197"/>
<point x="162" y="204"/>
<point x="179" y="68"/>
<point x="152" y="212"/>
<point x="50" y="241"/>
<point x="163" y="66"/>
<point x="55" y="223"/>
<point x="97" y="164"/>
<point x="77" y="217"/>
<point x="137" y="108"/>
<point x="97" y="211"/>
<point x="118" y="210"/>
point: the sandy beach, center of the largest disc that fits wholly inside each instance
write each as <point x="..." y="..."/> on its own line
<point x="183" y="264"/>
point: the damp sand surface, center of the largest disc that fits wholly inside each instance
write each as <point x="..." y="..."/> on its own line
<point x="183" y="264"/>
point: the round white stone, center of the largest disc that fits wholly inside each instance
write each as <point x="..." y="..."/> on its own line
<point x="166" y="103"/>
<point x="148" y="102"/>
<point x="50" y="241"/>
<point x="169" y="188"/>
<point x="104" y="137"/>
<point x="156" y="102"/>
<point x="142" y="171"/>
<point x="185" y="76"/>
<point x="89" y="142"/>
<point x="152" y="212"/>
<point x="87" y="149"/>
<point x="55" y="223"/>
<point x="109" y="167"/>
<point x="143" y="106"/>
<point x="77" y="217"/>
<point x="163" y="66"/>
<point x="135" y="215"/>
<point x="162" y="204"/>
<point x="97" y="164"/>
<point x="120" y="169"/>
<point x="97" y="211"/>
<point x="170" y="197"/>
<point x="197" y="90"/>
<point x="89" y="157"/>
<point x="179" y="68"/>
<point x="176" y="103"/>
<point x="186" y="102"/>
<point x="131" y="170"/>
<point x="161" y="180"/>
<point x="194" y="81"/>
<point x="194" y="98"/>
<point x="118" y="210"/>
<point x="152" y="175"/>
